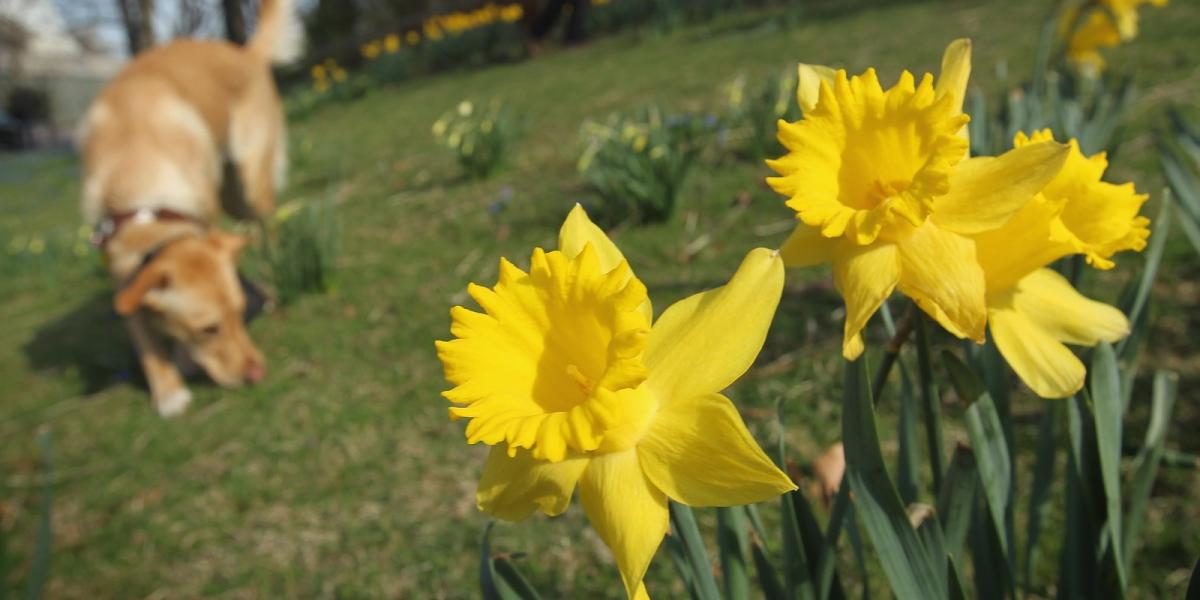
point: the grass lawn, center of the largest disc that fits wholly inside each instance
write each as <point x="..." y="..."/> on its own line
<point x="340" y="475"/>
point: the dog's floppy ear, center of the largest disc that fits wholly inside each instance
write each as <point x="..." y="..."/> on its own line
<point x="151" y="277"/>
<point x="228" y="242"/>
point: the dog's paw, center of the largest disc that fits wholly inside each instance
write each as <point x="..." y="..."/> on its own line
<point x="174" y="403"/>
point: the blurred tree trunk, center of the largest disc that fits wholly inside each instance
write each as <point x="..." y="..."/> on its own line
<point x="235" y="21"/>
<point x="137" y="15"/>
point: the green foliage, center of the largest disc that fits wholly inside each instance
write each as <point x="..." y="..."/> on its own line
<point x="754" y="112"/>
<point x="335" y="85"/>
<point x="499" y="578"/>
<point x="497" y="42"/>
<point x="302" y="260"/>
<point x="481" y="137"/>
<point x="39" y="558"/>
<point x="1179" y="153"/>
<point x="637" y="163"/>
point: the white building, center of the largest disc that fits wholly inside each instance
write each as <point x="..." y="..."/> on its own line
<point x="37" y="49"/>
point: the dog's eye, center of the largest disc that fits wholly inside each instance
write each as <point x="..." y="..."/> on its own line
<point x="211" y="330"/>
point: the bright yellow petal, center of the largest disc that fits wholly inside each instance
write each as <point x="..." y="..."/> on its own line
<point x="1048" y="301"/>
<point x="628" y="512"/>
<point x="1023" y="245"/>
<point x="1042" y="362"/>
<point x="939" y="271"/>
<point x="700" y="453"/>
<point x="703" y="343"/>
<point x="806" y="247"/>
<point x="809" y="90"/>
<point x="512" y="487"/>
<point x="985" y="192"/>
<point x="578" y="231"/>
<point x="865" y="276"/>
<point x="956" y="70"/>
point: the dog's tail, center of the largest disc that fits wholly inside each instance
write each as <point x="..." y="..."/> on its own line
<point x="279" y="37"/>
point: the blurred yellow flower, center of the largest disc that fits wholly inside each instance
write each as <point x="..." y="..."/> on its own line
<point x="439" y="128"/>
<point x="883" y="190"/>
<point x="339" y="74"/>
<point x="371" y="50"/>
<point x="321" y="85"/>
<point x="512" y="13"/>
<point x="391" y="43"/>
<point x="412" y="38"/>
<point x="318" y="72"/>
<point x="1103" y="25"/>
<point x="1126" y="13"/>
<point x="1033" y="311"/>
<point x="565" y="377"/>
<point x="432" y="31"/>
<point x="465" y="108"/>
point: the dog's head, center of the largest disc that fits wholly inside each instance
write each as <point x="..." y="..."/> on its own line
<point x="191" y="290"/>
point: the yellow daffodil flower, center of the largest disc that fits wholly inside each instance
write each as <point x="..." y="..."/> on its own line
<point x="1096" y="31"/>
<point x="1033" y="310"/>
<point x="565" y="377"/>
<point x="512" y="13"/>
<point x="883" y="189"/>
<point x="391" y="43"/>
<point x="1106" y="24"/>
<point x="371" y="50"/>
<point x="1126" y="13"/>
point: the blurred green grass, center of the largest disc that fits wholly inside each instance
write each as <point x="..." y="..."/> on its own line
<point x="340" y="474"/>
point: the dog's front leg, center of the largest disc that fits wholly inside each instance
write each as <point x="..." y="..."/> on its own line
<point x="167" y="388"/>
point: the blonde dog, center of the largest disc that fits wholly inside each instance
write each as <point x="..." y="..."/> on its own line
<point x="180" y="124"/>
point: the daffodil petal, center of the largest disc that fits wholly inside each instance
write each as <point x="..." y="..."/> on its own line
<point x="956" y="71"/>
<point x="1042" y="362"/>
<point x="513" y="486"/>
<point x="628" y="512"/>
<point x="703" y="343"/>
<point x="808" y="92"/>
<point x="952" y="80"/>
<point x="986" y="191"/>
<point x="939" y="271"/>
<point x="1048" y="300"/>
<point x="700" y="453"/>
<point x="806" y="247"/>
<point x="578" y="231"/>
<point x="866" y="276"/>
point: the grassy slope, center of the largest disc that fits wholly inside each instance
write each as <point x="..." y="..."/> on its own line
<point x="340" y="474"/>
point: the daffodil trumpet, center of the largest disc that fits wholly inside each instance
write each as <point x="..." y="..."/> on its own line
<point x="573" y="384"/>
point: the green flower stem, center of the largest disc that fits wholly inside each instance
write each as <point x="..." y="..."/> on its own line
<point x="892" y="352"/>
<point x="932" y="408"/>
